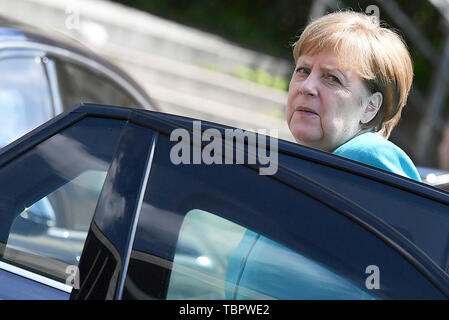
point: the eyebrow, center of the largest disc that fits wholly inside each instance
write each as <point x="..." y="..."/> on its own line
<point x="327" y="68"/>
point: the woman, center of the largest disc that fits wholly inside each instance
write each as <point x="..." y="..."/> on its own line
<point x="349" y="87"/>
<point x="346" y="95"/>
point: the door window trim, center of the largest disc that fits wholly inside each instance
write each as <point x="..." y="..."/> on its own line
<point x="35" y="277"/>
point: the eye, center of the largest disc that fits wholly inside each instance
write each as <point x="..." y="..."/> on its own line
<point x="334" y="79"/>
<point x="303" y="70"/>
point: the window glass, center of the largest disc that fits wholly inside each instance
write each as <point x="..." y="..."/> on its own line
<point x="78" y="84"/>
<point x="203" y="249"/>
<point x="210" y="251"/>
<point x="42" y="229"/>
<point x="24" y="97"/>
<point x="49" y="195"/>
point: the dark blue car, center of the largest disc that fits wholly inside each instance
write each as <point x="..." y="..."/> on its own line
<point x="126" y="220"/>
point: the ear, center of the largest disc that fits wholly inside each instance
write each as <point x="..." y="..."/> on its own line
<point x="374" y="102"/>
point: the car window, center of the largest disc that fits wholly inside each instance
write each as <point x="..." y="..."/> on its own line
<point x="285" y="243"/>
<point x="56" y="226"/>
<point x="24" y="97"/>
<point x="79" y="84"/>
<point x="211" y="249"/>
<point x="49" y="195"/>
<point x="204" y="246"/>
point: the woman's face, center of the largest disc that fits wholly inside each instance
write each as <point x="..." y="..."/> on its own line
<point x="325" y="102"/>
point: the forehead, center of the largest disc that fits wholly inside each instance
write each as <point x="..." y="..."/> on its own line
<point x="325" y="59"/>
<point x="328" y="60"/>
<point x="346" y="58"/>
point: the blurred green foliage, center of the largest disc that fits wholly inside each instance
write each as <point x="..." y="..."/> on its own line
<point x="261" y="76"/>
<point x="271" y="26"/>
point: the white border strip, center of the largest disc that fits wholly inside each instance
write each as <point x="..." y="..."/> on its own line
<point x="35" y="277"/>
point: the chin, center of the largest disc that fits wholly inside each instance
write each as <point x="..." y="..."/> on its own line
<point x="310" y="137"/>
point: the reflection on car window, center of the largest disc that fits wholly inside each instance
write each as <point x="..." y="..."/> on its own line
<point x="64" y="231"/>
<point x="49" y="197"/>
<point x="24" y="97"/>
<point x="210" y="254"/>
<point x="204" y="246"/>
<point x="78" y="84"/>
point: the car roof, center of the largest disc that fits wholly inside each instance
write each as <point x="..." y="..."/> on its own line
<point x="13" y="31"/>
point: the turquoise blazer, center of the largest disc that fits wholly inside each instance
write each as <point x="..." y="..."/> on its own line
<point x="260" y="268"/>
<point x="373" y="149"/>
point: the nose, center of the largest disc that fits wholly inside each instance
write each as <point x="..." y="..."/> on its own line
<point x="308" y="86"/>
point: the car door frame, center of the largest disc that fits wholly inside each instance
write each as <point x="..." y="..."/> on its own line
<point x="165" y="124"/>
<point x="366" y="220"/>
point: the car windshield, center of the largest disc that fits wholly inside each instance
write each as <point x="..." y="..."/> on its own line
<point x="24" y="97"/>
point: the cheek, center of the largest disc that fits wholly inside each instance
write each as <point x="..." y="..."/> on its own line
<point x="292" y="89"/>
<point x="342" y="115"/>
<point x="333" y="113"/>
<point x="290" y="102"/>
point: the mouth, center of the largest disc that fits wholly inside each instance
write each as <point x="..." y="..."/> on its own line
<point x="306" y="111"/>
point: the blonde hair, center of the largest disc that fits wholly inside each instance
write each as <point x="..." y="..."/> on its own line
<point x="377" y="54"/>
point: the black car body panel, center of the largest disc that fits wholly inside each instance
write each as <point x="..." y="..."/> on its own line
<point x="354" y="196"/>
